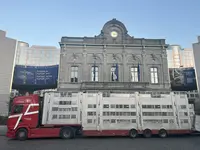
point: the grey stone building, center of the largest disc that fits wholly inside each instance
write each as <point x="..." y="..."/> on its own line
<point x="7" y="57"/>
<point x="113" y="61"/>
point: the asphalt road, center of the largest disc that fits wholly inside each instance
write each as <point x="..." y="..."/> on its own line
<point x="3" y="130"/>
<point x="119" y="143"/>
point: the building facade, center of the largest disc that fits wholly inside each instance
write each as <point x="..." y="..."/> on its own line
<point x="113" y="61"/>
<point x="7" y="55"/>
<point x="180" y="57"/>
<point x="196" y="51"/>
<point x="36" y="67"/>
<point x="36" y="55"/>
<point x="188" y="58"/>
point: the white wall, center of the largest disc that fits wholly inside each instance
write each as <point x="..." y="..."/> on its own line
<point x="7" y="55"/>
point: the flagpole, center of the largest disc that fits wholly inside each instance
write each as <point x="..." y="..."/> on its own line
<point x="116" y="72"/>
<point x="138" y="72"/>
<point x="94" y="70"/>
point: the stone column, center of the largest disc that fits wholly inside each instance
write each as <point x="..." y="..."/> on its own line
<point x="84" y="67"/>
<point x="165" y="69"/>
<point x="105" y="67"/>
<point x="144" y="68"/>
<point x="123" y="70"/>
<point x="62" y="71"/>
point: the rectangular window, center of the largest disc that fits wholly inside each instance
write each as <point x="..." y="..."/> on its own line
<point x="134" y="74"/>
<point x="54" y="108"/>
<point x="132" y="106"/>
<point x="113" y="121"/>
<point x="91" y="105"/>
<point x="105" y="106"/>
<point x="64" y="116"/>
<point x="74" y="74"/>
<point x="17" y="109"/>
<point x="74" y="108"/>
<point x="94" y="73"/>
<point x="89" y="121"/>
<point x="154" y="75"/>
<point x="183" y="106"/>
<point x="106" y="121"/>
<point x="114" y="73"/>
<point x="133" y="120"/>
<point x="91" y="113"/>
<point x="73" y="116"/>
<point x="65" y="102"/>
<point x="170" y="113"/>
<point x="165" y="121"/>
<point x="157" y="106"/>
<point x="112" y="106"/>
<point x="54" y="116"/>
<point x="126" y="106"/>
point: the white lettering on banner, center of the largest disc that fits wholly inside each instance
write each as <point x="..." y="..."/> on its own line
<point x="25" y="114"/>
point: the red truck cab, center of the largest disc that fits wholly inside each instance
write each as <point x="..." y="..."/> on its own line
<point x="24" y="115"/>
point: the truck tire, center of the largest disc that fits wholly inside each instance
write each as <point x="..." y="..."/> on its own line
<point x="67" y="133"/>
<point x="162" y="133"/>
<point x="147" y="133"/>
<point x="22" y="135"/>
<point x="133" y="133"/>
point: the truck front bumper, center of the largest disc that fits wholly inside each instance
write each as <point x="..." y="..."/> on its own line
<point x="10" y="134"/>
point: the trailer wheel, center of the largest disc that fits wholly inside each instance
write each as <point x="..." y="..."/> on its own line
<point x="147" y="133"/>
<point x="22" y="134"/>
<point x="133" y="133"/>
<point x="67" y="133"/>
<point x="162" y="133"/>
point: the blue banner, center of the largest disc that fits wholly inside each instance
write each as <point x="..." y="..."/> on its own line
<point x="117" y="72"/>
<point x="35" y="75"/>
<point x="183" y="79"/>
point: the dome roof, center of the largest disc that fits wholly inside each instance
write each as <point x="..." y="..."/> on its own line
<point x="114" y="22"/>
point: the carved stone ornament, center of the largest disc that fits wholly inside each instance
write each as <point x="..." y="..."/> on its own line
<point x="153" y="57"/>
<point x="94" y="56"/>
<point x="134" y="57"/>
<point x="114" y="57"/>
<point x="164" y="53"/>
<point x="143" y="52"/>
<point x="74" y="56"/>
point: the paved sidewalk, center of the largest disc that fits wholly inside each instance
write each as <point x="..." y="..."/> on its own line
<point x="3" y="130"/>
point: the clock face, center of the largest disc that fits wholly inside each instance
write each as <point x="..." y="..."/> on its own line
<point x="114" y="34"/>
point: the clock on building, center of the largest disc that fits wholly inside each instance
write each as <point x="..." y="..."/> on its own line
<point x="114" y="34"/>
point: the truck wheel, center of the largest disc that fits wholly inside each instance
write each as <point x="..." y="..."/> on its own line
<point x="133" y="133"/>
<point x="147" y="133"/>
<point x="67" y="133"/>
<point x="162" y="133"/>
<point x="22" y="134"/>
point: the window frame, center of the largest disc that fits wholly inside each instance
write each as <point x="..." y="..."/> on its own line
<point x="74" y="74"/>
<point x="111" y="68"/>
<point x="154" y="79"/>
<point x="21" y="107"/>
<point x="96" y="73"/>
<point x="135" y="74"/>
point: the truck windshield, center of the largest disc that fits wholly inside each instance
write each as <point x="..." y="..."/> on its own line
<point x="17" y="109"/>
